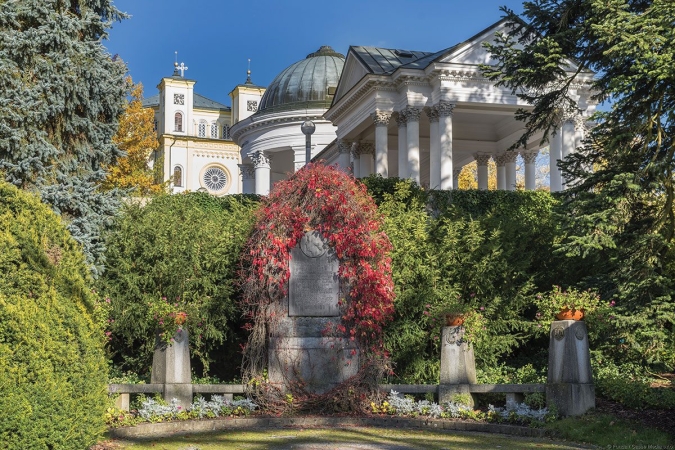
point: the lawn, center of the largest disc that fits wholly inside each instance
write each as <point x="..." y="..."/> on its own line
<point x="351" y="438"/>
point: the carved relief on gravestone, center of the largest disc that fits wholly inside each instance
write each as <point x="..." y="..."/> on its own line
<point x="314" y="286"/>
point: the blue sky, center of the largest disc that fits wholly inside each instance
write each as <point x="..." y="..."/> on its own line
<point x="216" y="38"/>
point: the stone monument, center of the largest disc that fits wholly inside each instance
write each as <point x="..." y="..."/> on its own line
<point x="299" y="350"/>
<point x="570" y="381"/>
<point x="458" y="365"/>
<point x="171" y="367"/>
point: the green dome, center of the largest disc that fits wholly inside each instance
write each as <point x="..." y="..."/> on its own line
<point x="309" y="83"/>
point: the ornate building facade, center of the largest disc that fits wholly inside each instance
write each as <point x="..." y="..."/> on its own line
<point x="410" y="114"/>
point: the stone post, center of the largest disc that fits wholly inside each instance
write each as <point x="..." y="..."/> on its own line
<point x="402" y="146"/>
<point x="570" y="382"/>
<point x="381" y="120"/>
<point x="458" y="365"/>
<point x="171" y="367"/>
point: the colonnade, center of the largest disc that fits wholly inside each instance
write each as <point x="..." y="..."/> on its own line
<point x="369" y="158"/>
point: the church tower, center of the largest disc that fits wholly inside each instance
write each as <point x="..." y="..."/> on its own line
<point x="245" y="98"/>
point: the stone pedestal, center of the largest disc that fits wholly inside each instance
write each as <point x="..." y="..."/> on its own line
<point x="171" y="367"/>
<point x="319" y="363"/>
<point x="570" y="381"/>
<point x="458" y="365"/>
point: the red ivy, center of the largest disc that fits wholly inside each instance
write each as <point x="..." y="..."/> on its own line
<point x="323" y="198"/>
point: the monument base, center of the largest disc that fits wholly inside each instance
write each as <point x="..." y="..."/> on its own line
<point x="318" y="364"/>
<point x="570" y="399"/>
<point x="171" y="367"/>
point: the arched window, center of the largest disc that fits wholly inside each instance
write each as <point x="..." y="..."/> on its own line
<point x="178" y="176"/>
<point x="201" y="129"/>
<point x="226" y="132"/>
<point x="178" y="122"/>
<point x="214" y="130"/>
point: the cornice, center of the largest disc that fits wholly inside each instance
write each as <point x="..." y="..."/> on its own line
<point x="474" y="76"/>
<point x="351" y="98"/>
<point x="215" y="154"/>
<point x="263" y="122"/>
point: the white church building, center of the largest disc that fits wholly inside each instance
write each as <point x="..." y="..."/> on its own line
<point x="409" y="114"/>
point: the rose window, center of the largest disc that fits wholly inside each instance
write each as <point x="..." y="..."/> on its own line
<point x="215" y="179"/>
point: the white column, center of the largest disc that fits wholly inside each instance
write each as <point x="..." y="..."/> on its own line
<point x="510" y="169"/>
<point x="366" y="150"/>
<point x="500" y="160"/>
<point x="578" y="131"/>
<point x="555" y="153"/>
<point x="530" y="159"/>
<point x="412" y="117"/>
<point x="381" y="119"/>
<point x="434" y="148"/>
<point x="247" y="178"/>
<point x="482" y="170"/>
<point x="262" y="172"/>
<point x="455" y="177"/>
<point x="299" y="153"/>
<point x="402" y="146"/>
<point x="344" y="147"/>
<point x="445" y="131"/>
<point x="568" y="138"/>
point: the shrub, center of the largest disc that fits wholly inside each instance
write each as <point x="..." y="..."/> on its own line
<point x="52" y="366"/>
<point x="185" y="248"/>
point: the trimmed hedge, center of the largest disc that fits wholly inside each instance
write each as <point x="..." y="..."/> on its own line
<point x="53" y="371"/>
<point x="185" y="247"/>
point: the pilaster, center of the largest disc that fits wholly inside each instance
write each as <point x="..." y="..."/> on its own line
<point x="344" y="149"/>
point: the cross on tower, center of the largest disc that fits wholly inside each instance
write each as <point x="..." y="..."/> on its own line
<point x="182" y="67"/>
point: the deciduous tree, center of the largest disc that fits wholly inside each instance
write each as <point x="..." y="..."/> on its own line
<point x="136" y="137"/>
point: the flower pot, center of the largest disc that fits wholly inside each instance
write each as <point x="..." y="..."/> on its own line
<point x="454" y="320"/>
<point x="570" y="314"/>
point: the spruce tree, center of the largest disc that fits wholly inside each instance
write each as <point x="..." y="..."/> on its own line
<point x="618" y="212"/>
<point x="61" y="95"/>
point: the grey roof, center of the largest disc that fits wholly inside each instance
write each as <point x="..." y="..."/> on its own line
<point x="149" y="102"/>
<point x="381" y="61"/>
<point x="198" y="101"/>
<point x="306" y="83"/>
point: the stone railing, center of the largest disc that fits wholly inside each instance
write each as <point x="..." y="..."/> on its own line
<point x="569" y="385"/>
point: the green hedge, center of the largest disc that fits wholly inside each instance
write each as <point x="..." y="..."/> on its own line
<point x="186" y="247"/>
<point x="52" y="367"/>
<point x="489" y="251"/>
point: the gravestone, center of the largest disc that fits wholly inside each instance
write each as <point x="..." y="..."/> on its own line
<point x="299" y="350"/>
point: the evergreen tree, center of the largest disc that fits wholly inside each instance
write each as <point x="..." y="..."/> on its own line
<point x="619" y="217"/>
<point x="61" y="95"/>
